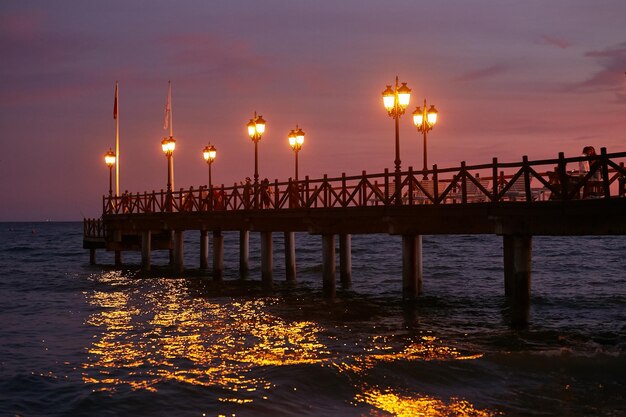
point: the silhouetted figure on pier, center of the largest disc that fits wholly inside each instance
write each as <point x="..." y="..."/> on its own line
<point x="593" y="187"/>
<point x="266" y="193"/>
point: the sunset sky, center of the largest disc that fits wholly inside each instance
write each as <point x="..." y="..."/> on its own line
<point x="509" y="78"/>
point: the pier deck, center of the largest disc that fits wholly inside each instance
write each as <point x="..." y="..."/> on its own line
<point x="514" y="200"/>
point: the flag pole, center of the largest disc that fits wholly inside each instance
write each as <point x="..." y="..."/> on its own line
<point x="170" y="101"/>
<point x="117" y="143"/>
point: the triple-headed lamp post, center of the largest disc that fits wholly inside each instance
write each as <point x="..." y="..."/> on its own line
<point x="425" y="120"/>
<point x="209" y="152"/>
<point x="109" y="159"/>
<point x="396" y="101"/>
<point x="296" y="139"/>
<point x="168" y="145"/>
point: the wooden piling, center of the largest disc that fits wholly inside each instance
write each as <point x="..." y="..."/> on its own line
<point x="204" y="249"/>
<point x="517" y="273"/>
<point x="92" y="256"/>
<point x="267" y="259"/>
<point x="411" y="266"/>
<point x="178" y="252"/>
<point x="345" y="260"/>
<point x="244" y="253"/>
<point x="146" y="249"/>
<point x="218" y="255"/>
<point x="290" y="256"/>
<point x="328" y="264"/>
<point x="118" y="258"/>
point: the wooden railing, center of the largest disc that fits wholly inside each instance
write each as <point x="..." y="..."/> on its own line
<point x="94" y="228"/>
<point x="526" y="181"/>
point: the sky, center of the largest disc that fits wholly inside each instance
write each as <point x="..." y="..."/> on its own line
<point x="509" y="78"/>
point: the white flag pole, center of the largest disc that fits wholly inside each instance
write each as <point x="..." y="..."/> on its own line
<point x="117" y="141"/>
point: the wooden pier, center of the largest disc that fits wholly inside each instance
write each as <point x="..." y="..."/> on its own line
<point x="514" y="200"/>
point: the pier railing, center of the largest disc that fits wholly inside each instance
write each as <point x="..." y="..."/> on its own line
<point x="526" y="181"/>
<point x="94" y="228"/>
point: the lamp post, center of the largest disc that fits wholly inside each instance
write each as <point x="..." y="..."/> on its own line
<point x="109" y="159"/>
<point x="296" y="139"/>
<point x="396" y="101"/>
<point x="168" y="145"/>
<point x="425" y="120"/>
<point x="256" y="128"/>
<point x="209" y="152"/>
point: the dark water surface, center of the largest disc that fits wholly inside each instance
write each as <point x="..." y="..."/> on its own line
<point x="77" y="340"/>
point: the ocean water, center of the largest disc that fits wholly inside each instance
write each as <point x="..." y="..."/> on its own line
<point x="81" y="340"/>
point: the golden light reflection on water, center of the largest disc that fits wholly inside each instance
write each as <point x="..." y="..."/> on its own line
<point x="148" y="337"/>
<point x="160" y="332"/>
<point x="420" y="405"/>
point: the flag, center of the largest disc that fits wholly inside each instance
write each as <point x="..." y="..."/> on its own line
<point x="115" y="103"/>
<point x="168" y="107"/>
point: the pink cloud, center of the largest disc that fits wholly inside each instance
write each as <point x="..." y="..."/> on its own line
<point x="487" y="72"/>
<point x="23" y="25"/>
<point x="554" y="41"/>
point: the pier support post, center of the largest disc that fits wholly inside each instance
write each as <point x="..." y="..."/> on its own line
<point x="146" y="249"/>
<point x="266" y="259"/>
<point x="328" y="264"/>
<point x="92" y="256"/>
<point x="117" y="236"/>
<point x="204" y="249"/>
<point x="345" y="260"/>
<point x="517" y="273"/>
<point x="290" y="256"/>
<point x="411" y="266"/>
<point x="178" y="251"/>
<point x="244" y="253"/>
<point x="118" y="258"/>
<point x="218" y="255"/>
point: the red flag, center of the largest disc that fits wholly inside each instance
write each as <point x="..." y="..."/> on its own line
<point x="115" y="103"/>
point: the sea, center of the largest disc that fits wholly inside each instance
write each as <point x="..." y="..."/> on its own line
<point x="83" y="340"/>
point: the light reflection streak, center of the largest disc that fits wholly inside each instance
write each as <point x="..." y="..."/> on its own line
<point x="149" y="337"/>
<point x="420" y="405"/>
<point x="162" y="333"/>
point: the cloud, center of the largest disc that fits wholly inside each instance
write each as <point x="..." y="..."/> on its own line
<point x="487" y="72"/>
<point x="610" y="76"/>
<point x="554" y="41"/>
<point x="213" y="54"/>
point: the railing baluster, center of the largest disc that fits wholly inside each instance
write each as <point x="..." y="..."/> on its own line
<point x="605" y="173"/>
<point x="435" y="185"/>
<point x="526" y="169"/>
<point x="463" y="183"/>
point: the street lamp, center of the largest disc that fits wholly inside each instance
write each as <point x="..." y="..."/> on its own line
<point x="425" y="120"/>
<point x="109" y="159"/>
<point x="209" y="152"/>
<point x="256" y="128"/>
<point x="296" y="139"/>
<point x="168" y="145"/>
<point x="396" y="101"/>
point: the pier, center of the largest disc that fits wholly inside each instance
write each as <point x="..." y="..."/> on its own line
<point x="516" y="200"/>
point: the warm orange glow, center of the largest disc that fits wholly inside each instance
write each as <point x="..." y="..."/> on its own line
<point x="296" y="138"/>
<point x="142" y="341"/>
<point x="403" y="405"/>
<point x="389" y="98"/>
<point x="251" y="128"/>
<point x="109" y="158"/>
<point x="260" y="125"/>
<point x="209" y="152"/>
<point x="168" y="145"/>
<point x="432" y="115"/>
<point x="418" y="117"/>
<point x="256" y="127"/>
<point x="404" y="95"/>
